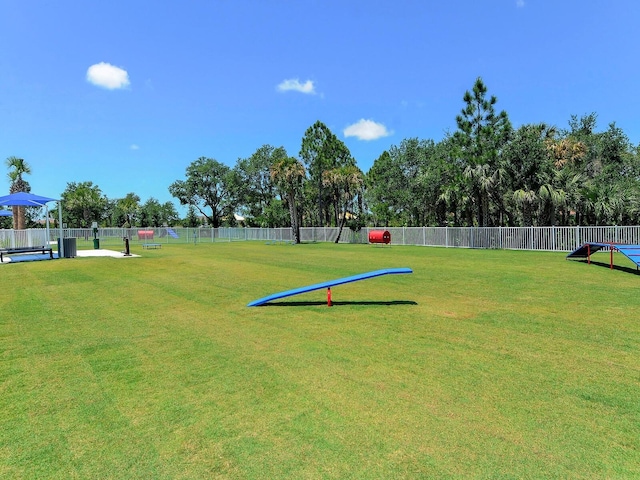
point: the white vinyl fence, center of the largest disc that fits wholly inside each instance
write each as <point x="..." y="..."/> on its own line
<point x="516" y="238"/>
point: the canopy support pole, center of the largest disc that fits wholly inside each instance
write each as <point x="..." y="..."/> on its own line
<point x="61" y="248"/>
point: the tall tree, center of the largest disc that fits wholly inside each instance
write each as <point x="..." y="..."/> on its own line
<point x="127" y="210"/>
<point x="386" y="190"/>
<point x="528" y="166"/>
<point x="151" y="213"/>
<point x="602" y="203"/>
<point x="481" y="135"/>
<point x="411" y="158"/>
<point x="83" y="203"/>
<point x="346" y="183"/>
<point x="254" y="189"/>
<point x="569" y="184"/>
<point x="582" y="132"/>
<point x="607" y="166"/>
<point x="433" y="176"/>
<point x="289" y="175"/>
<point x="453" y="198"/>
<point x="191" y="220"/>
<point x="17" y="168"/>
<point x="168" y="214"/>
<point x="321" y="150"/>
<point x="206" y="187"/>
<point x="155" y="214"/>
<point x="567" y="154"/>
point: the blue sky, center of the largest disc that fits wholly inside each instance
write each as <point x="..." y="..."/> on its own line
<point x="127" y="94"/>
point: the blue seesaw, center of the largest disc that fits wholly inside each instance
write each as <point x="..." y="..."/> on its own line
<point x="328" y="285"/>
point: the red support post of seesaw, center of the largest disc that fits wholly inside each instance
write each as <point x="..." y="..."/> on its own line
<point x="329" y="304"/>
<point x="611" y="256"/>
<point x="588" y="254"/>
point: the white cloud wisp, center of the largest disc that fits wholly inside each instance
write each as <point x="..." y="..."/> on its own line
<point x="107" y="76"/>
<point x="366" y="130"/>
<point x="293" y="84"/>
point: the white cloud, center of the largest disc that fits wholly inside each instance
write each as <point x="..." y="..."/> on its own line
<point x="134" y="147"/>
<point x="107" y="76"/>
<point x="366" y="130"/>
<point x="295" y="85"/>
<point x="520" y="3"/>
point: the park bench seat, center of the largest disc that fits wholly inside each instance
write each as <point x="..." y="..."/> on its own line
<point x="151" y="245"/>
<point x="17" y="250"/>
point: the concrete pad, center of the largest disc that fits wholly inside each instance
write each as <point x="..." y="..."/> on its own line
<point x="103" y="253"/>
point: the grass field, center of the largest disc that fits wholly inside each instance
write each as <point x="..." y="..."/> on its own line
<point x="481" y="364"/>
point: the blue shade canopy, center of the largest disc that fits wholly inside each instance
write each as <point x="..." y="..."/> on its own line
<point x="6" y="213"/>
<point x="24" y="199"/>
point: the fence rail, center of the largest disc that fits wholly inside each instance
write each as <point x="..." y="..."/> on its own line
<point x="514" y="238"/>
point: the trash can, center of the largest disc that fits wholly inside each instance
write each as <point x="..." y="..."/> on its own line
<point x="379" y="236"/>
<point x="70" y="248"/>
<point x="96" y="243"/>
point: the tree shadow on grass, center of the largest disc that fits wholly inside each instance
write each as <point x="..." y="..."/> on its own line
<point x="620" y="268"/>
<point x="339" y="303"/>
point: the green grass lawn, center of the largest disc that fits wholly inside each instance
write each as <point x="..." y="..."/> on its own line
<point x="481" y="364"/>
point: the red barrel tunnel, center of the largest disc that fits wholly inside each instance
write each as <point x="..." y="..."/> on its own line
<point x="145" y="234"/>
<point x="379" y="236"/>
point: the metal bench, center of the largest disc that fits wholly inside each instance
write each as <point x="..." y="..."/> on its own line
<point x="151" y="245"/>
<point x="12" y="251"/>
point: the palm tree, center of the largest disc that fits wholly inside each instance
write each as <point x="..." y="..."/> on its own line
<point x="526" y="199"/>
<point x="130" y="208"/>
<point x="288" y="174"/>
<point x="604" y="203"/>
<point x="347" y="183"/>
<point x="17" y="168"/>
<point x="451" y="198"/>
<point x="483" y="183"/>
<point x="569" y="184"/>
<point x="550" y="199"/>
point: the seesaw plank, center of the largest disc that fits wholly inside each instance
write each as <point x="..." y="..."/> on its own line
<point x="330" y="283"/>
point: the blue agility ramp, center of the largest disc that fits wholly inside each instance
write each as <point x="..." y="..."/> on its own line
<point x="632" y="252"/>
<point x="328" y="285"/>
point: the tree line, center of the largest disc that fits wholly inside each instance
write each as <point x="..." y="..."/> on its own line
<point x="485" y="173"/>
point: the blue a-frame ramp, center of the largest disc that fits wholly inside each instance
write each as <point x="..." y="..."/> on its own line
<point x="329" y="284"/>
<point x="632" y="252"/>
